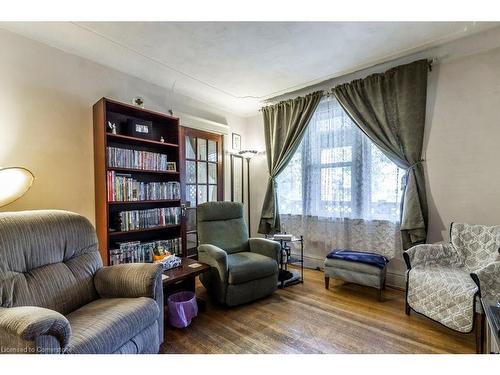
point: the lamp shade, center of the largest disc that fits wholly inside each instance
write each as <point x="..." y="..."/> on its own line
<point x="14" y="183"/>
<point x="248" y="154"/>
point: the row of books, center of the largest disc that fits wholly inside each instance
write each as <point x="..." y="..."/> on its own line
<point x="143" y="252"/>
<point x="122" y="187"/>
<point x="145" y="219"/>
<point x="134" y="159"/>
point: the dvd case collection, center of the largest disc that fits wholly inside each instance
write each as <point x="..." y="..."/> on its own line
<point x="146" y="219"/>
<point x="124" y="188"/>
<point x="142" y="252"/>
<point x="134" y="159"/>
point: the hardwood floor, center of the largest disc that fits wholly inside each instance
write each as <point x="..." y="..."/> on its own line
<point x="307" y="318"/>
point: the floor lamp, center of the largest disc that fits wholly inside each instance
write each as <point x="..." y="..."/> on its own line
<point x="248" y="154"/>
<point x="14" y="183"/>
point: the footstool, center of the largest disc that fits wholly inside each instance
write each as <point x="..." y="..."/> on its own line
<point x="359" y="267"/>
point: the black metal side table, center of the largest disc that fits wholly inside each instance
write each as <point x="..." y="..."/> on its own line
<point x="287" y="258"/>
<point x="492" y="312"/>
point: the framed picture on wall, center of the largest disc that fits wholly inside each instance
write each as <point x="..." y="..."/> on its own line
<point x="236" y="142"/>
<point x="236" y="178"/>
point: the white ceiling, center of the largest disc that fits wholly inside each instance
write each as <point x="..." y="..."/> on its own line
<point x="237" y="65"/>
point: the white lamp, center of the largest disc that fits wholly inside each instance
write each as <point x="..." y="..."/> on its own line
<point x="14" y="183"/>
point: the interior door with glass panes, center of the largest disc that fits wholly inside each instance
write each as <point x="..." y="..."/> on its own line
<point x="202" y="178"/>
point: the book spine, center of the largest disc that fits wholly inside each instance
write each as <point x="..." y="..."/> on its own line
<point x="142" y="252"/>
<point x="135" y="159"/>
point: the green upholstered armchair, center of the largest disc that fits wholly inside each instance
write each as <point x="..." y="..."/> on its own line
<point x="242" y="269"/>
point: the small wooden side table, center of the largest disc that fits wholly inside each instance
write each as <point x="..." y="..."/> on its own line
<point x="183" y="277"/>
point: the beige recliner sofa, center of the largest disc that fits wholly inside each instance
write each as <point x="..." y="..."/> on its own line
<point x="56" y="297"/>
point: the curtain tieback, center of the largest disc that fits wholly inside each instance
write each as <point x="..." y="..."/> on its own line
<point x="414" y="165"/>
<point x="404" y="180"/>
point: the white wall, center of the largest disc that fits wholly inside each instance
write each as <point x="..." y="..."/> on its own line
<point x="462" y="143"/>
<point x="462" y="137"/>
<point x="46" y="100"/>
<point x="253" y="138"/>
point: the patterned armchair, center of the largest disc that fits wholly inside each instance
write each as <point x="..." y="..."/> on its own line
<point x="445" y="281"/>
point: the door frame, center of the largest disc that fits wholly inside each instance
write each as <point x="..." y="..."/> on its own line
<point x="213" y="136"/>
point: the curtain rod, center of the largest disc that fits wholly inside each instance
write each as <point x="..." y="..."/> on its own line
<point x="328" y="93"/>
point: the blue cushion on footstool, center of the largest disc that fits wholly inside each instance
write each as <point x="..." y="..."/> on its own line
<point x="372" y="259"/>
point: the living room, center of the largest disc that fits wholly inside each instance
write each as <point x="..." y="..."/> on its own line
<point x="290" y="185"/>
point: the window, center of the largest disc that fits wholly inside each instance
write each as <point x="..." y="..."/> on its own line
<point x="338" y="172"/>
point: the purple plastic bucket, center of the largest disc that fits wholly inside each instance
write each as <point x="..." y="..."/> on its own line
<point x="182" y="308"/>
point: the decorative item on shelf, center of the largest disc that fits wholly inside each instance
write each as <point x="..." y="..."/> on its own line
<point x="248" y="154"/>
<point x="138" y="101"/>
<point x="236" y="142"/>
<point x="14" y="183"/>
<point x="140" y="128"/>
<point x="162" y="140"/>
<point x="112" y="127"/>
<point x="171" y="166"/>
<point x="171" y="112"/>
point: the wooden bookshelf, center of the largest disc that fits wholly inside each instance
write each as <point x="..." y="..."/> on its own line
<point x="162" y="126"/>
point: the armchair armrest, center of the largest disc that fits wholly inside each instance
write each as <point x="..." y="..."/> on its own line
<point x="426" y="254"/>
<point x="128" y="280"/>
<point x="263" y="246"/>
<point x="30" y="322"/>
<point x="488" y="281"/>
<point x="215" y="257"/>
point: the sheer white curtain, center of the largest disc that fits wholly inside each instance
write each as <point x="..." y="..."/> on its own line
<point x="339" y="190"/>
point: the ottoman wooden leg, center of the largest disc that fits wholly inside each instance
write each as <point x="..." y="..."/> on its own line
<point x="327" y="282"/>
<point x="380" y="295"/>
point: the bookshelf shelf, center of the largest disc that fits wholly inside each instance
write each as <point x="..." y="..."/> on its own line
<point x="139" y="141"/>
<point x="130" y="170"/>
<point x="145" y="202"/>
<point x="124" y="118"/>
<point x="121" y="233"/>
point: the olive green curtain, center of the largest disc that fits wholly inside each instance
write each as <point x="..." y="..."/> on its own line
<point x="390" y="109"/>
<point x="284" y="126"/>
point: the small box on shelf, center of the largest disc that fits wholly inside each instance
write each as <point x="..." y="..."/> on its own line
<point x="139" y="128"/>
